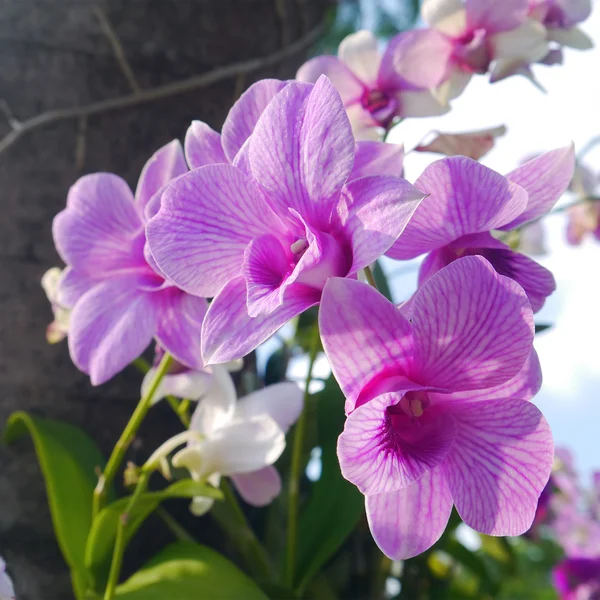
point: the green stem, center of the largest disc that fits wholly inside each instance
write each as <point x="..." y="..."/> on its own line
<point x="141" y="364"/>
<point x="370" y="277"/>
<point x="120" y="449"/>
<point x="296" y="470"/>
<point x="231" y="518"/>
<point x="119" y="549"/>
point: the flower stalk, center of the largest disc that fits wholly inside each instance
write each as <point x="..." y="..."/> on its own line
<point x="120" y="449"/>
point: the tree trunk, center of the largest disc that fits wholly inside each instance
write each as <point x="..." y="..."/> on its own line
<point x="65" y="55"/>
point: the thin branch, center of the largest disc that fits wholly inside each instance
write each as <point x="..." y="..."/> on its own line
<point x="117" y="48"/>
<point x="6" y="110"/>
<point x="161" y="92"/>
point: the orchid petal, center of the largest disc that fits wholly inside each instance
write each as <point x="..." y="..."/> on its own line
<point x="302" y="150"/>
<point x="527" y="42"/>
<point x="464" y="198"/>
<point x="419" y="57"/>
<point x="217" y="406"/>
<point x="499" y="464"/>
<point x="266" y="263"/>
<point x="377" y="158"/>
<point x="206" y="220"/>
<point x="545" y="178"/>
<point x="100" y="231"/>
<point x="203" y="146"/>
<point x="163" y="166"/>
<point x="360" y="53"/>
<point x="363" y="334"/>
<point x="373" y="213"/>
<point x="382" y="451"/>
<point x="494" y="16"/>
<point x="571" y="38"/>
<point x="409" y="521"/>
<point x="364" y="127"/>
<point x="447" y="16"/>
<point x="281" y="401"/>
<point x="416" y="104"/>
<point x="473" y="144"/>
<point x="345" y="82"/>
<point x="111" y="325"/>
<point x="73" y="284"/>
<point x="238" y="447"/>
<point x="179" y="326"/>
<point x="258" y="488"/>
<point x="245" y="113"/>
<point x="229" y="332"/>
<point x="473" y="328"/>
<point x="191" y="385"/>
<point x="537" y="281"/>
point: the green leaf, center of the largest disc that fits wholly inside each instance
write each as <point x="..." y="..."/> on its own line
<point x="68" y="459"/>
<point x="539" y="327"/>
<point x="381" y="281"/>
<point x="335" y="505"/>
<point x="187" y="571"/>
<point x="474" y="563"/>
<point x="101" y="539"/>
<point x="277" y="365"/>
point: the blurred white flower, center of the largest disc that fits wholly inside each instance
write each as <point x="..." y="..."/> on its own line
<point x="7" y="591"/>
<point x="59" y="328"/>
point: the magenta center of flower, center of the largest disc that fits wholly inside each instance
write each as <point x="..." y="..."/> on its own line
<point x="380" y="105"/>
<point x="472" y="51"/>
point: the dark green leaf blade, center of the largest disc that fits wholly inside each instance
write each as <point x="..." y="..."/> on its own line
<point x="187" y="571"/>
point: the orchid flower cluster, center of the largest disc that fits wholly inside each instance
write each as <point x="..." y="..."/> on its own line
<point x="569" y="514"/>
<point x="284" y="212"/>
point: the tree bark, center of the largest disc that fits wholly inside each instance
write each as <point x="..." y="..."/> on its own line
<point x="62" y="55"/>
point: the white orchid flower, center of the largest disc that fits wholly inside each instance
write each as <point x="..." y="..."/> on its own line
<point x="59" y="328"/>
<point x="238" y="439"/>
<point x="7" y="591"/>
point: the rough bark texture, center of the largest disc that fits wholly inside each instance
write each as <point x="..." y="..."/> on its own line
<point x="55" y="54"/>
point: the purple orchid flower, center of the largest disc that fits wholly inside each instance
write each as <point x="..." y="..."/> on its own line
<point x="560" y="18"/>
<point x="577" y="578"/>
<point x="472" y="35"/>
<point x="438" y="399"/>
<point x="204" y="146"/>
<point x="376" y="89"/>
<point x="263" y="239"/>
<point x="120" y="301"/>
<point x="467" y="201"/>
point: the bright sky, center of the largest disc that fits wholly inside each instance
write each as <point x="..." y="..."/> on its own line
<point x="570" y="111"/>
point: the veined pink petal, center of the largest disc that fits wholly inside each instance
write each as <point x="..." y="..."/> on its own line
<point x="282" y="401"/>
<point x="499" y="464"/>
<point x="409" y="521"/>
<point x="419" y="57"/>
<point x="545" y="178"/>
<point x="302" y="150"/>
<point x="537" y="281"/>
<point x="258" y="488"/>
<point x="496" y="16"/>
<point x="179" y="326"/>
<point x="111" y="325"/>
<point x="382" y="449"/>
<point x="266" y="264"/>
<point x="73" y="284"/>
<point x="164" y="165"/>
<point x="373" y="213"/>
<point x="377" y="158"/>
<point x="464" y="198"/>
<point x="364" y="336"/>
<point x="244" y="114"/>
<point x="229" y="332"/>
<point x="206" y="220"/>
<point x="524" y="385"/>
<point x="345" y="82"/>
<point x="473" y="328"/>
<point x="203" y="146"/>
<point x="100" y="231"/>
